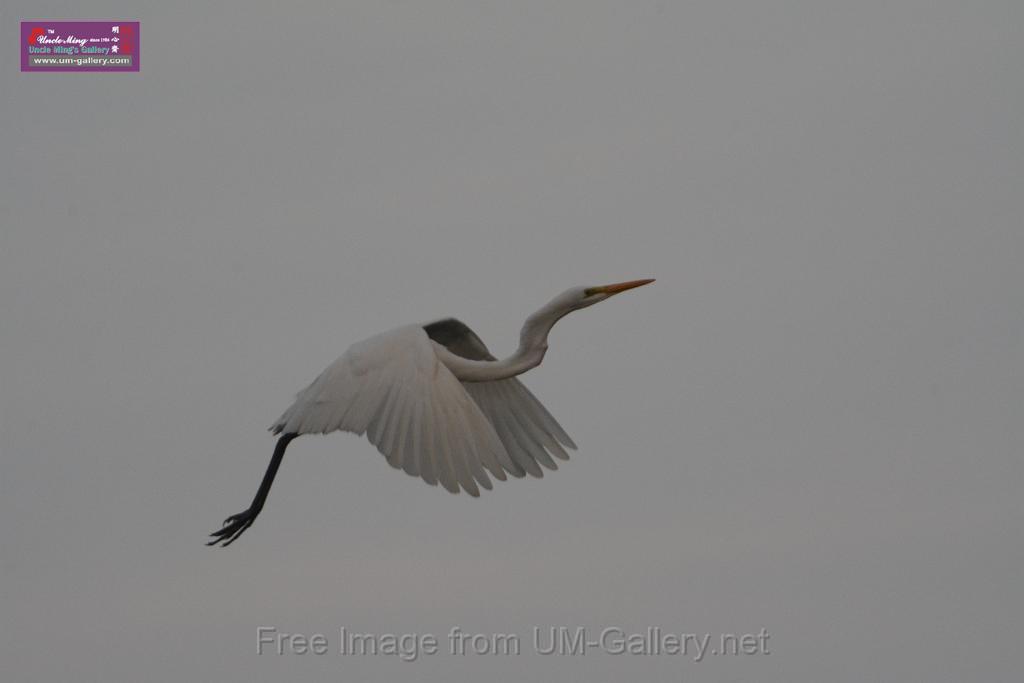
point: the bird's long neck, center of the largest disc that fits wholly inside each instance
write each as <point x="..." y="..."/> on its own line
<point x="533" y="344"/>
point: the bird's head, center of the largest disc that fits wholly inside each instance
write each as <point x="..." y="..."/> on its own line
<point x="581" y="297"/>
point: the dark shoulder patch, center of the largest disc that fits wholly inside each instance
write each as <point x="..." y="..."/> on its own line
<point x="456" y="336"/>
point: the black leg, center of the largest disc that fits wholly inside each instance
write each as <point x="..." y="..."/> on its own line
<point x="236" y="524"/>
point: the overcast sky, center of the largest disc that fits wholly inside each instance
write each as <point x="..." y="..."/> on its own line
<point x="812" y="423"/>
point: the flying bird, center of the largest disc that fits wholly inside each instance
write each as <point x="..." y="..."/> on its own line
<point x="435" y="403"/>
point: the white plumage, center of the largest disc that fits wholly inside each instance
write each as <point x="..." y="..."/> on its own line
<point x="436" y="404"/>
<point x="394" y="388"/>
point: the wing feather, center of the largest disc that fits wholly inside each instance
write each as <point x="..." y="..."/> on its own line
<point x="514" y="445"/>
<point x="541" y="417"/>
<point x="428" y="456"/>
<point x="526" y="428"/>
<point x="487" y="450"/>
<point x="414" y="442"/>
<point x="395" y="390"/>
<point x="516" y="415"/>
<point x="528" y="437"/>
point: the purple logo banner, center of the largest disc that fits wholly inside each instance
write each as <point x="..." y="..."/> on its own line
<point x="79" y="45"/>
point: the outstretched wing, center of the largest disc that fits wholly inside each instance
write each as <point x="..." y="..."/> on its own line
<point x="393" y="388"/>
<point x="527" y="430"/>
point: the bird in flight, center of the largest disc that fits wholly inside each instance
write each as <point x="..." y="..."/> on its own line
<point x="435" y="403"/>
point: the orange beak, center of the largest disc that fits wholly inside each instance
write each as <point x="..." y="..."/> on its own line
<point x="618" y="287"/>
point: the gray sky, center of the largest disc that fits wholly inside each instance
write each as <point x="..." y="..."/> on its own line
<point x="812" y="423"/>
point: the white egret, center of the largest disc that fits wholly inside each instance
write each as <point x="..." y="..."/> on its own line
<point x="436" y="404"/>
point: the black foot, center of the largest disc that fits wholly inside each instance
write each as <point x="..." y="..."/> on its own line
<point x="233" y="527"/>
